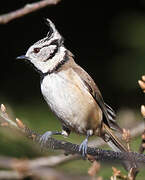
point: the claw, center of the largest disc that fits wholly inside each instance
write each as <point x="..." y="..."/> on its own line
<point x="45" y="137"/>
<point x="83" y="148"/>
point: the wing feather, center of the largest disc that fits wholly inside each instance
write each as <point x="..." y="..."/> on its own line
<point x="108" y="112"/>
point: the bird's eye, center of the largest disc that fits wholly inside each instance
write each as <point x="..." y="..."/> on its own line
<point x="36" y="50"/>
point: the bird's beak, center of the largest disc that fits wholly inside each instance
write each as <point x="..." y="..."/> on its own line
<point x="22" y="57"/>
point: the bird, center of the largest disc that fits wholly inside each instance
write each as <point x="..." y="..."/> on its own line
<point x="71" y="93"/>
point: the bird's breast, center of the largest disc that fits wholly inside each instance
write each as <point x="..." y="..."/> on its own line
<point x="70" y="101"/>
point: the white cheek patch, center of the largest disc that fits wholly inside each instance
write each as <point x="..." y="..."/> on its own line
<point x="47" y="51"/>
<point x="52" y="48"/>
<point x="44" y="54"/>
<point x="50" y="55"/>
<point x="51" y="63"/>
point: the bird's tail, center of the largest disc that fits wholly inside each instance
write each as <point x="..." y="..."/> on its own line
<point x="117" y="146"/>
<point x="112" y="140"/>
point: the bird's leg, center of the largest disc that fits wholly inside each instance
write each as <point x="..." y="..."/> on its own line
<point x="43" y="139"/>
<point x="84" y="145"/>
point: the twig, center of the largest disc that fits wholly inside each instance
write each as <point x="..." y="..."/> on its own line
<point x="69" y="148"/>
<point x="142" y="86"/>
<point x="127" y="138"/>
<point x="142" y="83"/>
<point x="117" y="174"/>
<point x="94" y="169"/>
<point x="134" y="171"/>
<point x="5" y="18"/>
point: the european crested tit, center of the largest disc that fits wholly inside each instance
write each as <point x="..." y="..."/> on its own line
<point x="71" y="93"/>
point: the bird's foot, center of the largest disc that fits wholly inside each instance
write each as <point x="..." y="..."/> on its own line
<point x="83" y="148"/>
<point x="44" y="137"/>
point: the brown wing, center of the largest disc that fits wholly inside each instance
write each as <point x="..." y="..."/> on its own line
<point x="94" y="91"/>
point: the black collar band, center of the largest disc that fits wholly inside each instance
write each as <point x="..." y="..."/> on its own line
<point x="59" y="65"/>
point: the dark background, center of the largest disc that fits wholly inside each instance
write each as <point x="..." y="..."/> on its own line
<point x="106" y="37"/>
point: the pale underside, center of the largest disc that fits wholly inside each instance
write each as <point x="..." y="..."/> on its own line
<point x="70" y="100"/>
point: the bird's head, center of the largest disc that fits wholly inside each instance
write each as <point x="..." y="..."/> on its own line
<point x="46" y="53"/>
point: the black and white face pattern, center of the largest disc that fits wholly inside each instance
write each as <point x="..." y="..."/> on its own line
<point x="48" y="52"/>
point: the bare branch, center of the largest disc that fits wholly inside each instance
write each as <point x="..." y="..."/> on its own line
<point x="9" y="175"/>
<point x="69" y="148"/>
<point x="5" y="18"/>
<point x="40" y="173"/>
<point x="39" y="167"/>
<point x="56" y="160"/>
<point x="52" y="174"/>
<point x="14" y="163"/>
